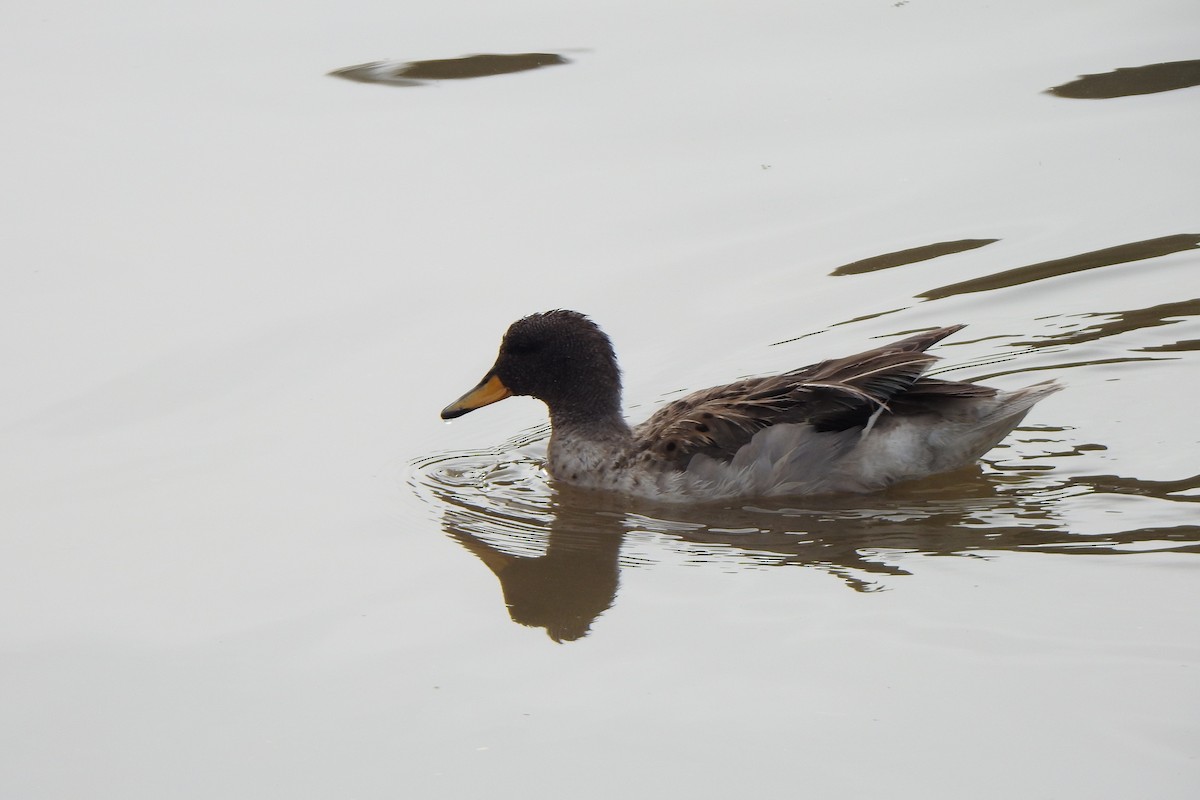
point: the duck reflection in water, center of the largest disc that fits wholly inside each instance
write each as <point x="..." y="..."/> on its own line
<point x="566" y="587"/>
<point x="558" y="557"/>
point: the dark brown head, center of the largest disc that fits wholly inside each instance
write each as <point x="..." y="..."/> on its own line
<point x="559" y="357"/>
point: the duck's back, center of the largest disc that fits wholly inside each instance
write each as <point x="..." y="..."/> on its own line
<point x="800" y="459"/>
<point x="854" y="424"/>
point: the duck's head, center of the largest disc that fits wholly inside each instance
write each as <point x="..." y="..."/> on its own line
<point x="559" y="357"/>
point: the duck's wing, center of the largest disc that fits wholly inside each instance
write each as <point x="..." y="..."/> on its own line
<point x="831" y="396"/>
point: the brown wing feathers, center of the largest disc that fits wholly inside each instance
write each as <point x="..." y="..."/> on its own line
<point x="832" y="395"/>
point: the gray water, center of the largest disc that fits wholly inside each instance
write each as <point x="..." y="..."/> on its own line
<point x="242" y="556"/>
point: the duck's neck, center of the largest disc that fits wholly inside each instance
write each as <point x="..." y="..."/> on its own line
<point x="585" y="444"/>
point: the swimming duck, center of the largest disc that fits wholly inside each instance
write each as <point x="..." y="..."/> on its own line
<point x="853" y="424"/>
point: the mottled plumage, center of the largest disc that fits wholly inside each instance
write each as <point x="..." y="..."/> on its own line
<point x="851" y="424"/>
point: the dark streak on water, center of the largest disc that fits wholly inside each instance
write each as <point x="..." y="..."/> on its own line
<point x="910" y="256"/>
<point x="1127" y="81"/>
<point x="1109" y="256"/>
<point x="1182" y="346"/>
<point x="1116" y="323"/>
<point x="416" y="73"/>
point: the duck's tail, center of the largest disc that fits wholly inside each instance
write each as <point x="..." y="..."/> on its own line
<point x="1003" y="413"/>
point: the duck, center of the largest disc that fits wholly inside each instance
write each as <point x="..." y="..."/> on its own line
<point x="847" y="425"/>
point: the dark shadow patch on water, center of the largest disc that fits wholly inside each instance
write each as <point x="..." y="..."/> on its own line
<point x="1183" y="346"/>
<point x="1109" y="256"/>
<point x="1116" y="323"/>
<point x="1095" y="259"/>
<point x="418" y="73"/>
<point x="1127" y="81"/>
<point x="1185" y="490"/>
<point x="911" y="256"/>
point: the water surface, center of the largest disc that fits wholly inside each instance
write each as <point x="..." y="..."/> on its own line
<point x="244" y="558"/>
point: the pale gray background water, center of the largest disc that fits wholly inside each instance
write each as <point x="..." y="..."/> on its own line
<point x="242" y="557"/>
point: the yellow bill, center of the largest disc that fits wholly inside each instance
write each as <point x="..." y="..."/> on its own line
<point x="489" y="390"/>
